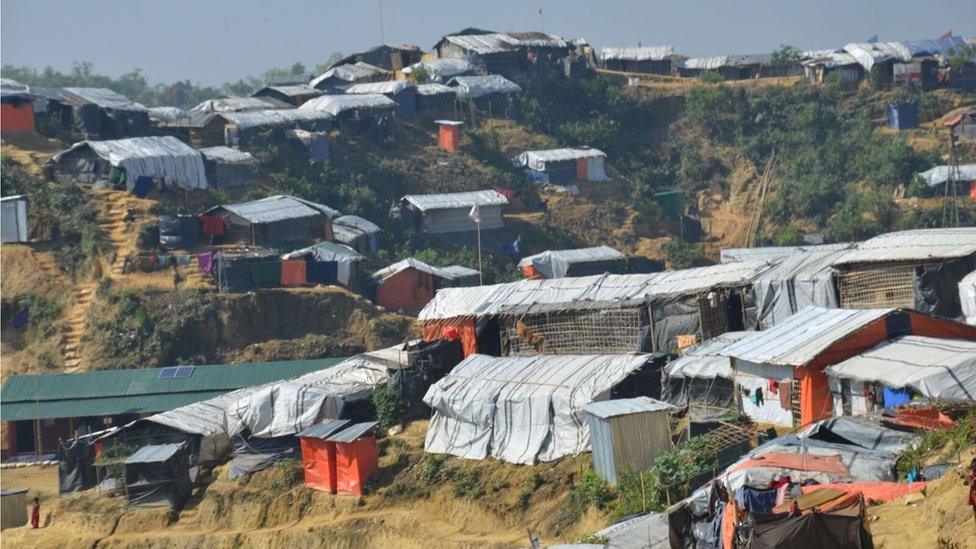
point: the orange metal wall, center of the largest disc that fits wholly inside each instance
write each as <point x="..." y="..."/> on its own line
<point x="16" y="118"/>
<point x="408" y="290"/>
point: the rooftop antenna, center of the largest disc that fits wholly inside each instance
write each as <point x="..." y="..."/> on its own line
<point x="382" y="34"/>
<point x="542" y="20"/>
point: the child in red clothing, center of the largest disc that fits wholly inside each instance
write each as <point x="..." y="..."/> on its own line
<point x="36" y="513"/>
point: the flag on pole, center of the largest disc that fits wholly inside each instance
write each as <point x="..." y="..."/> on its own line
<point x="540" y="10"/>
<point x="946" y="35"/>
<point x="873" y="39"/>
<point x="475" y="214"/>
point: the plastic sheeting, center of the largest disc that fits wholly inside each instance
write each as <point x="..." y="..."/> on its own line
<point x="449" y="201"/>
<point x="240" y="104"/>
<point x="390" y="86"/>
<point x="13" y="219"/>
<point x="76" y="469"/>
<point x="452" y="272"/>
<point x="937" y="368"/>
<point x="870" y="54"/>
<point x="285" y="118"/>
<point x="798" y="281"/>
<point x="772" y="253"/>
<point x="967" y="297"/>
<point x="338" y="104"/>
<point x="557" y="263"/>
<point x="706" y="360"/>
<point x="637" y="53"/>
<point x="442" y="70"/>
<point x="279" y="207"/>
<point x="106" y="99"/>
<point x="940" y="174"/>
<point x="165" y="156"/>
<point x="350" y="72"/>
<point x="474" y="87"/>
<point x="521" y="410"/>
<point x="590" y="292"/>
<point x="915" y="245"/>
<point x="254" y="454"/>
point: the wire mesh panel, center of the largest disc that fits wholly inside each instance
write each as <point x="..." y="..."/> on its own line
<point x="876" y="287"/>
<point x="604" y="331"/>
<point x="713" y="317"/>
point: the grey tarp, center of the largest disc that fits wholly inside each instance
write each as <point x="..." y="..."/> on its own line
<point x="797" y="281"/>
<point x="254" y="454"/>
<point x="521" y="410"/>
<point x="165" y="156"/>
<point x="557" y="263"/>
<point x="648" y="531"/>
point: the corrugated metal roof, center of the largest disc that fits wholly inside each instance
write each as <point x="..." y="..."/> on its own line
<point x="351" y="72"/>
<point x="112" y="392"/>
<point x="326" y="251"/>
<point x="707" y="359"/>
<point x="106" y="98"/>
<point x="637" y="53"/>
<point x="240" y="104"/>
<point x="356" y="222"/>
<point x="625" y="406"/>
<point x="770" y="253"/>
<point x="227" y="154"/>
<point x="274" y="118"/>
<point x="277" y="208"/>
<point x="940" y="174"/>
<point x="473" y="87"/>
<point x="579" y="255"/>
<point x="353" y="432"/>
<point x="434" y="88"/>
<point x="915" y="245"/>
<point x="452" y="272"/>
<point x="338" y="104"/>
<point x="447" y="201"/>
<point x="323" y="430"/>
<point x="803" y="336"/>
<point x="390" y="86"/>
<point x="155" y="453"/>
<point x="587" y="292"/>
<point x="938" y="368"/>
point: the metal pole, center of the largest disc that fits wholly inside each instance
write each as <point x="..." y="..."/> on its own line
<point x="382" y="35"/>
<point x="481" y="274"/>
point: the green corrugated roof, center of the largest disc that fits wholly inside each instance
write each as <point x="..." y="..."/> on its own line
<point x="111" y="392"/>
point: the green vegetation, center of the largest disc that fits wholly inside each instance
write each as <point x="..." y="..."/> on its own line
<point x="592" y="490"/>
<point x="435" y="467"/>
<point x="946" y="442"/>
<point x="283" y="476"/>
<point x="389" y="407"/>
<point x="683" y="255"/>
<point x="42" y="313"/>
<point x="468" y="484"/>
<point x="785" y="55"/>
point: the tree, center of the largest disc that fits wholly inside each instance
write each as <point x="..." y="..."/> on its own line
<point x="961" y="56"/>
<point x="785" y="55"/>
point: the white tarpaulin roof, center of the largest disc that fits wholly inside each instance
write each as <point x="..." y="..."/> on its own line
<point x="587" y="292"/>
<point x="803" y="336"/>
<point x="937" y="368"/>
<point x="452" y="272"/>
<point x="390" y="86"/>
<point x="240" y="104"/>
<point x="523" y="409"/>
<point x="360" y="224"/>
<point x="638" y="53"/>
<point x="278" y="208"/>
<point x="483" y="43"/>
<point x="167" y="114"/>
<point x="282" y="117"/>
<point x="450" y="201"/>
<point x="915" y="245"/>
<point x="350" y="72"/>
<point x="868" y="54"/>
<point x="556" y="263"/>
<point x="536" y="160"/>
<point x="292" y="90"/>
<point x="326" y="251"/>
<point x="439" y="70"/>
<point x="338" y="104"/>
<point x="940" y="174"/>
<point x="227" y="154"/>
<point x="707" y="359"/>
<point x="828" y="58"/>
<point x="967" y="297"/>
<point x="769" y="253"/>
<point x="795" y="282"/>
<point x="433" y="88"/>
<point x="473" y="87"/>
<point x="164" y="156"/>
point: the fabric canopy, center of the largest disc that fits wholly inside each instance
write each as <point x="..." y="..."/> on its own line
<point x="521" y="410"/>
<point x="164" y="156"/>
<point x="937" y="368"/>
<point x="706" y="359"/>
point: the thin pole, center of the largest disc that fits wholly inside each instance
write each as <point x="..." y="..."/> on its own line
<point x="542" y="20"/>
<point x="481" y="274"/>
<point x="382" y="34"/>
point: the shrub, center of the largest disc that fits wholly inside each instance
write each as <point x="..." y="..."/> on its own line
<point x="41" y="314"/>
<point x="962" y="435"/>
<point x="467" y="484"/>
<point x="788" y="236"/>
<point x="389" y="408"/>
<point x="434" y="467"/>
<point x="683" y="255"/>
<point x="592" y="489"/>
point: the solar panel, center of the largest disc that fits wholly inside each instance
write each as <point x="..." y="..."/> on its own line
<point x="184" y="371"/>
<point x="168" y="373"/>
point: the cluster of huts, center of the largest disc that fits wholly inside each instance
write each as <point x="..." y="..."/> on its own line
<point x="923" y="63"/>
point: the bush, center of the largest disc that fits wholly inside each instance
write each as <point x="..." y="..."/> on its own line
<point x="434" y="468"/>
<point x="389" y="407"/>
<point x="683" y="255"/>
<point x="962" y="436"/>
<point x="467" y="484"/>
<point x="592" y="489"/>
<point x="41" y="314"/>
<point x="788" y="236"/>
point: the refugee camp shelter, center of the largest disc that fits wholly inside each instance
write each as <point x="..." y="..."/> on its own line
<point x="13" y="508"/>
<point x="450" y="212"/>
<point x="92" y="113"/>
<point x="823" y="66"/>
<point x="435" y="99"/>
<point x="493" y="51"/>
<point x="293" y="94"/>
<point x="449" y="134"/>
<point x="402" y="92"/>
<point x="275" y="220"/>
<point x="936" y="368"/>
<point x="639" y="59"/>
<point x="410" y="284"/>
<point x="158" y="475"/>
<point x="776" y="253"/>
<point x="902" y="115"/>
<point x="734" y="67"/>
<point x="963" y="177"/>
<point x="355" y="114"/>
<point x="564" y="166"/>
<point x="796" y="281"/>
<point x="240" y="104"/>
<point x="142" y="159"/>
<point x="606" y="313"/>
<point x="780" y="372"/>
<point x="484" y="90"/>
<point x="967" y="297"/>
<point x="166" y="114"/>
<point x="918" y="269"/>
<point x="578" y="262"/>
<point x="240" y="128"/>
<point x="627" y="434"/>
<point x="13" y="219"/>
<point x="337" y="78"/>
<point x="16" y="107"/>
<point x="346" y="259"/>
<point x="440" y="70"/>
<point x="227" y="167"/>
<point x="387" y="56"/>
<point x="701" y="377"/>
<point x="359" y="234"/>
<point x="521" y="409"/>
<point x="37" y="410"/>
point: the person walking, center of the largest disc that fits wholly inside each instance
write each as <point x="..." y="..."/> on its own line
<point x="36" y="514"/>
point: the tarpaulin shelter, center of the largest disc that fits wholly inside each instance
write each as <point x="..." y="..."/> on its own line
<point x="941" y="369"/>
<point x="16" y="107"/>
<point x="241" y="128"/>
<point x="362" y="105"/>
<point x="963" y="176"/>
<point x="275" y="220"/>
<point x="627" y="434"/>
<point x="435" y="99"/>
<point x="227" y="167"/>
<point x="780" y="371"/>
<point x="403" y="92"/>
<point x="339" y="77"/>
<point x="641" y="59"/>
<point x="967" y="297"/>
<point x="736" y="67"/>
<point x="606" y="313"/>
<point x="564" y="166"/>
<point x="93" y="113"/>
<point x="345" y="258"/>
<point x="441" y="70"/>
<point x="918" y="269"/>
<point x="140" y="157"/>
<point x="178" y="232"/>
<point x="776" y="253"/>
<point x="166" y="114"/>
<point x="522" y="409"/>
<point x="795" y="282"/>
<point x="13" y="219"/>
<point x="902" y="115"/>
<point x="507" y="54"/>
<point x="356" y="232"/>
<point x="450" y="212"/>
<point x="840" y="527"/>
<point x="294" y="94"/>
<point x="578" y="262"/>
<point x="387" y="56"/>
<point x="252" y="454"/>
<point x="873" y="492"/>
<point x="408" y="285"/>
<point x="239" y="104"/>
<point x="76" y="465"/>
<point x="319" y="454"/>
<point x="702" y="376"/>
<point x="483" y="88"/>
<point x="158" y="475"/>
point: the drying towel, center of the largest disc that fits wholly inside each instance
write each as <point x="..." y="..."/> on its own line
<point x="213" y="225"/>
<point x="785" y="387"/>
<point x="322" y="272"/>
<point x="756" y="501"/>
<point x="205" y="262"/>
<point x="292" y="273"/>
<point x="266" y="274"/>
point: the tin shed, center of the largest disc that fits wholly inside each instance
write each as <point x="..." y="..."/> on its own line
<point x="627" y="434"/>
<point x="14" y="511"/>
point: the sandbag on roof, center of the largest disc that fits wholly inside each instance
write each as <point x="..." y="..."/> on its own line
<point x="937" y="368"/>
<point x="520" y="410"/>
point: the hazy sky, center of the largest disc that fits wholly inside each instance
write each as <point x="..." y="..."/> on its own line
<point x="213" y="41"/>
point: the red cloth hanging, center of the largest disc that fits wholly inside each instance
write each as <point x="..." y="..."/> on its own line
<point x="213" y="225"/>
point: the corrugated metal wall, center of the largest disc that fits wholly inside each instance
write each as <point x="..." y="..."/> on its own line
<point x="628" y="442"/>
